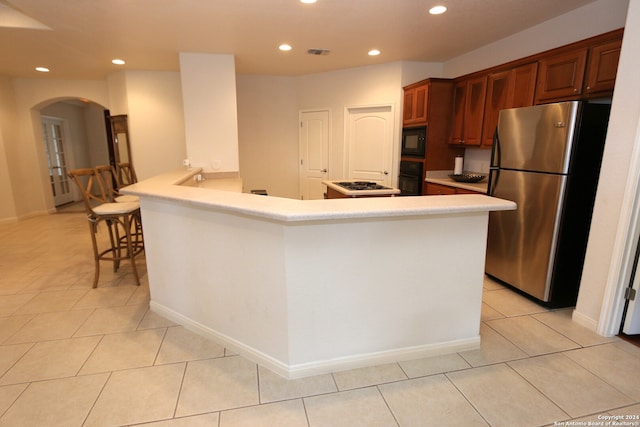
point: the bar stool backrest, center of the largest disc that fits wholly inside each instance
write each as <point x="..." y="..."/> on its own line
<point x="91" y="186"/>
<point x="108" y="177"/>
<point x="126" y="175"/>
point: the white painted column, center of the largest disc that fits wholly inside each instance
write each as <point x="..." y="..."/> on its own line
<point x="210" y="111"/>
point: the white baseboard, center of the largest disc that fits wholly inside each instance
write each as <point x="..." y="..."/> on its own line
<point x="585" y="321"/>
<point x="321" y="366"/>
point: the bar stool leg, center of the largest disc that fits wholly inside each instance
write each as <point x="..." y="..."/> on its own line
<point x="130" y="248"/>
<point x="93" y="229"/>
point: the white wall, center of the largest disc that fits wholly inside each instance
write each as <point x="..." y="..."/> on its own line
<point x="156" y="125"/>
<point x="78" y="157"/>
<point x="118" y="99"/>
<point x="210" y="110"/>
<point x="415" y="71"/>
<point x="97" y="142"/>
<point x="87" y="133"/>
<point x="601" y="265"/>
<point x="268" y="134"/>
<point x="268" y="110"/>
<point x="354" y="87"/>
<point x="32" y="191"/>
<point x="7" y="148"/>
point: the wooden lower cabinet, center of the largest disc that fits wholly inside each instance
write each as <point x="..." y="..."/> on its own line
<point x="443" y="190"/>
<point x="465" y="191"/>
<point x="439" y="190"/>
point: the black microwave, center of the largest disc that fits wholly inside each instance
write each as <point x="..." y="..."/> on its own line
<point x="414" y="141"/>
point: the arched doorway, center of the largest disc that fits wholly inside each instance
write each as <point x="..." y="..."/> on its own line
<point x="73" y="136"/>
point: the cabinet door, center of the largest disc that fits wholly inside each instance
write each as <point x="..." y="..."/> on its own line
<point x="507" y="89"/>
<point x="407" y="109"/>
<point x="524" y="85"/>
<point x="474" y="110"/>
<point x="459" y="96"/>
<point x="498" y="88"/>
<point x="465" y="191"/>
<point x="602" y="68"/>
<point x="561" y="76"/>
<point x="415" y="105"/>
<point x="420" y="106"/>
<point x="439" y="190"/>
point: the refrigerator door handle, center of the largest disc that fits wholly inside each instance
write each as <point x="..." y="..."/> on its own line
<point x="495" y="150"/>
<point x="494" y="175"/>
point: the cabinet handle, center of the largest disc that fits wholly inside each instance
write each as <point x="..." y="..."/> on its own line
<point x="575" y="90"/>
<point x="324" y="170"/>
<point x="588" y="88"/>
<point x="385" y="172"/>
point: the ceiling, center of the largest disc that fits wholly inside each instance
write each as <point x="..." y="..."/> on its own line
<point x="77" y="39"/>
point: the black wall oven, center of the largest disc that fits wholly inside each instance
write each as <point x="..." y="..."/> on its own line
<point x="410" y="179"/>
<point x="414" y="142"/>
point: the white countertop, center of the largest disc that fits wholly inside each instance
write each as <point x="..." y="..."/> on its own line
<point x="168" y="186"/>
<point x="347" y="192"/>
<point x="442" y="178"/>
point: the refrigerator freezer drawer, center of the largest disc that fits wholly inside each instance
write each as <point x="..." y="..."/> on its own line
<point x="521" y="244"/>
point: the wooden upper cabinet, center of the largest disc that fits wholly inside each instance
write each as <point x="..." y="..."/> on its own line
<point x="459" y="98"/>
<point x="415" y="105"/>
<point x="498" y="94"/>
<point x="561" y="76"/>
<point x="474" y="110"/>
<point x="468" y="111"/>
<point x="602" y="68"/>
<point x="524" y="85"/>
<point x="507" y="89"/>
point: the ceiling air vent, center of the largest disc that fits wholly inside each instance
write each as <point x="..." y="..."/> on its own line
<point x="318" y="51"/>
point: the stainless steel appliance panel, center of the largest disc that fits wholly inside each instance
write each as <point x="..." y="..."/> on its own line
<point x="544" y="136"/>
<point x="522" y="243"/>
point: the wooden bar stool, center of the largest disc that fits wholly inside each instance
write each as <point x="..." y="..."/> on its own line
<point x="122" y="222"/>
<point x="112" y="184"/>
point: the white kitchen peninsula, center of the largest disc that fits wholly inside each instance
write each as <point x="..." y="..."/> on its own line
<point x="315" y="286"/>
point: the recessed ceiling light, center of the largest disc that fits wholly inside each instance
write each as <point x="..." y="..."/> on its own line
<point x="308" y="1"/>
<point x="374" y="52"/>
<point x="42" y="69"/>
<point x="118" y="61"/>
<point x="285" y="47"/>
<point x="437" y="10"/>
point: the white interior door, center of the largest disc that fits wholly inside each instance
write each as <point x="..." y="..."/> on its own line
<point x="370" y="143"/>
<point x="631" y="324"/>
<point x="632" y="320"/>
<point x="314" y="153"/>
<point x="55" y="142"/>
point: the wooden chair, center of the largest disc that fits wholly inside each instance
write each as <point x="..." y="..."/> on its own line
<point x="126" y="175"/>
<point x="113" y="184"/>
<point x="121" y="220"/>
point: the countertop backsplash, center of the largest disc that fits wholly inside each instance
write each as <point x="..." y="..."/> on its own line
<point x="477" y="160"/>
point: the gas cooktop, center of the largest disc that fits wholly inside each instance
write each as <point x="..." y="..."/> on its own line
<point x="362" y="185"/>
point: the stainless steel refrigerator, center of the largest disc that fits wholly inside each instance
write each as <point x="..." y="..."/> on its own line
<point x="546" y="158"/>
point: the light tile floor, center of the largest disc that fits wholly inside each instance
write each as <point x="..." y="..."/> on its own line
<point x="75" y="356"/>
